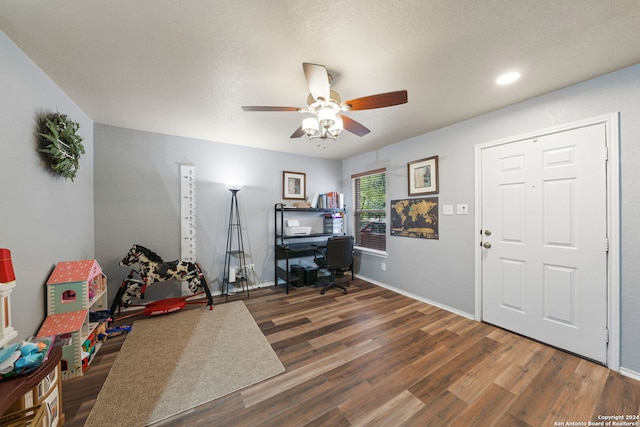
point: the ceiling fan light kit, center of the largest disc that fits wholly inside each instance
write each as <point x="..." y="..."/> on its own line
<point x="326" y="124"/>
<point x="310" y="126"/>
<point x="325" y="105"/>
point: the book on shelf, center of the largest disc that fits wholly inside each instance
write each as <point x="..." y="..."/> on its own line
<point x="322" y="201"/>
<point x="330" y="200"/>
<point x="313" y="200"/>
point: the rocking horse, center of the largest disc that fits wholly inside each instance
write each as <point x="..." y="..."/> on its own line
<point x="153" y="269"/>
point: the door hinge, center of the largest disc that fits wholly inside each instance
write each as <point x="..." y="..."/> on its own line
<point x="606" y="335"/>
<point x="606" y="245"/>
<point x="606" y="153"/>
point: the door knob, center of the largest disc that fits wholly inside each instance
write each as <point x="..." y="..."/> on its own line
<point x="487" y="232"/>
<point x="486" y="245"/>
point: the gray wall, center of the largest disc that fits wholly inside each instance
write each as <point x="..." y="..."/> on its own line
<point x="43" y="219"/>
<point x="137" y="198"/>
<point x="443" y="270"/>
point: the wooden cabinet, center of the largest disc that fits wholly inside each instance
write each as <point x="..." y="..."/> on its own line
<point x="298" y="233"/>
<point x="39" y="390"/>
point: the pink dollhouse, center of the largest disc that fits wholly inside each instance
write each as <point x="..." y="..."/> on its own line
<point x="69" y="328"/>
<point x="73" y="290"/>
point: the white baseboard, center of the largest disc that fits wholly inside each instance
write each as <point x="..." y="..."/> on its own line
<point x="252" y="287"/>
<point x="418" y="298"/>
<point x="629" y="373"/>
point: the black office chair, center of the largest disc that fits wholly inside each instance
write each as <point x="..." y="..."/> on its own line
<point x="336" y="257"/>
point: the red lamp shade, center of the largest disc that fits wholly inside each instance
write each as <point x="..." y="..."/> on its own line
<point x="6" y="267"/>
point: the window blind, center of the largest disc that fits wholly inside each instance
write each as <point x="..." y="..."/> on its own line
<point x="370" y="202"/>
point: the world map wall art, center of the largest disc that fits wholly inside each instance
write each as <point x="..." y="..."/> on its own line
<point x="415" y="218"/>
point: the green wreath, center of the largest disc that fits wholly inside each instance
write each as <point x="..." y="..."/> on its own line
<point x="59" y="144"/>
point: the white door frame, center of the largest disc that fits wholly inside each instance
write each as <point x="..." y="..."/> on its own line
<point x="613" y="222"/>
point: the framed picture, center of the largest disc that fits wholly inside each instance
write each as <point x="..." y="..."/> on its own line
<point x="415" y="218"/>
<point x="423" y="176"/>
<point x="294" y="185"/>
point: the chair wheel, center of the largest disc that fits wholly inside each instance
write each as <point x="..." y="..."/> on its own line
<point x="321" y="292"/>
<point x="344" y="292"/>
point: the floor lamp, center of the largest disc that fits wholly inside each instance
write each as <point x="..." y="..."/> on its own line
<point x="234" y="248"/>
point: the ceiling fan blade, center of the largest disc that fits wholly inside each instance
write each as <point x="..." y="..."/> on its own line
<point x="317" y="80"/>
<point x="354" y="127"/>
<point x="378" y="101"/>
<point x="298" y="133"/>
<point x="263" y="108"/>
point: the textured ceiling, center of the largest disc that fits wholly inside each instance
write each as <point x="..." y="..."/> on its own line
<point x="186" y="67"/>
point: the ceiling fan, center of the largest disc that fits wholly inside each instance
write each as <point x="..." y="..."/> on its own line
<point x="324" y="105"/>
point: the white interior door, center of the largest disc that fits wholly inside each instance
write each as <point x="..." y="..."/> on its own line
<point x="544" y="235"/>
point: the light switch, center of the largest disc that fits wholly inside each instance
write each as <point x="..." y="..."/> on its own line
<point x="447" y="209"/>
<point x="463" y="209"/>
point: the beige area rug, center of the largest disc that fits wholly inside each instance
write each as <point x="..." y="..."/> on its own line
<point x="171" y="363"/>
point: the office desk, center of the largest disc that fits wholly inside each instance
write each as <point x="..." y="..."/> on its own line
<point x="290" y="251"/>
<point x="326" y="223"/>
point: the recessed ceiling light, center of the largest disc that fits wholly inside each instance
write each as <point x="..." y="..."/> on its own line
<point x="507" y="78"/>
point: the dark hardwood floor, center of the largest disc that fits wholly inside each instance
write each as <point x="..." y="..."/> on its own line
<point x="373" y="357"/>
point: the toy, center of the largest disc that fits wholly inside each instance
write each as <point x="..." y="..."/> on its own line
<point x="76" y="305"/>
<point x="153" y="269"/>
<point x="71" y="329"/>
<point x="101" y="331"/>
<point x="22" y="358"/>
<point x="76" y="285"/>
<point x="118" y="330"/>
<point x="165" y="306"/>
<point x="100" y="316"/>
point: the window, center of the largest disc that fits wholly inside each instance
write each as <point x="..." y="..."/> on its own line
<point x="370" y="201"/>
<point x="69" y="296"/>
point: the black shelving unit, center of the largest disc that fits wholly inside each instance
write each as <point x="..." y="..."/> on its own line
<point x="290" y="247"/>
<point x="234" y="249"/>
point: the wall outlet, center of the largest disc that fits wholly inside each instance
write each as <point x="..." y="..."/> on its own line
<point x="383" y="266"/>
<point x="447" y="209"/>
<point x="462" y="209"/>
<point x="251" y="267"/>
